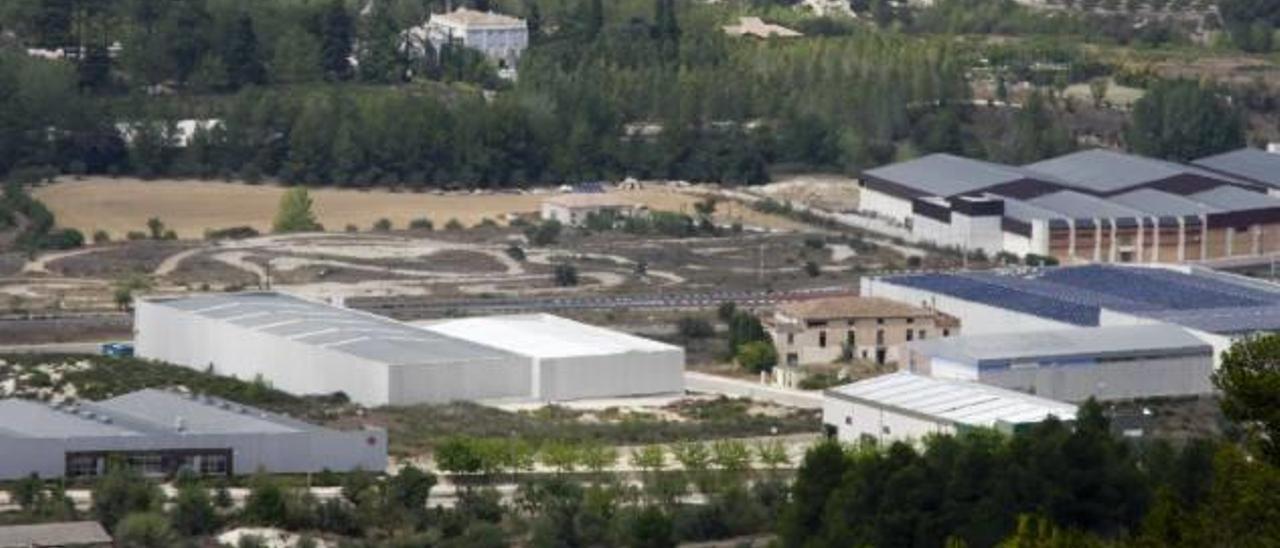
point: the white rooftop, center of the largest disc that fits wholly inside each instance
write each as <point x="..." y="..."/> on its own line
<point x="464" y="17"/>
<point x="959" y="402"/>
<point x="543" y="336"/>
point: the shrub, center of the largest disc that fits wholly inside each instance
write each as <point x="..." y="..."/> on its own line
<point x="136" y="235"/>
<point x="352" y="228"/>
<point x="487" y="223"/>
<point x="566" y="275"/>
<point x="516" y="252"/>
<point x="690" y="327"/>
<point x="421" y="223"/>
<point x="67" y="238"/>
<point x="453" y="224"/>
<point x="169" y="234"/>
<point x="231" y="233"/>
<point x="145" y="530"/>
<point x="812" y="269"/>
<point x="815" y="242"/>
<point x="382" y="225"/>
<point x="544" y="234"/>
<point x="726" y="310"/>
<point x="757" y="356"/>
<point x="101" y="237"/>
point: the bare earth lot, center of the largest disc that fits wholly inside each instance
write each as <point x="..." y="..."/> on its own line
<point x="190" y="207"/>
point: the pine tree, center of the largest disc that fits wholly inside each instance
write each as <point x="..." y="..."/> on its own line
<point x="382" y="59"/>
<point x="53" y="23"/>
<point x="337" y="34"/>
<point x="243" y="58"/>
<point x="295" y="213"/>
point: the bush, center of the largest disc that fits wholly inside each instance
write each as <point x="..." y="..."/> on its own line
<point x="134" y="235"/>
<point x="757" y="356"/>
<point x="231" y="233"/>
<point x="690" y="327"/>
<point x="914" y="262"/>
<point x="67" y="238"/>
<point x="453" y="224"/>
<point x="382" y="225"/>
<point x="352" y="228"/>
<point x="266" y="503"/>
<point x="726" y="310"/>
<point x="101" y="237"/>
<point x="487" y="223"/>
<point x="421" y="223"/>
<point x="516" y="252"/>
<point x="544" y="234"/>
<point x="145" y="530"/>
<point x="812" y="269"/>
<point x="819" y="381"/>
<point x="566" y="275"/>
<point x="815" y="242"/>
<point x="169" y="234"/>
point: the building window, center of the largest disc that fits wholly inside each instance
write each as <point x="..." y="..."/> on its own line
<point x="822" y="339"/>
<point x="946" y="332"/>
<point x="851" y="337"/>
<point x="791" y="339"/>
<point x="793" y="359"/>
<point x="147" y="464"/>
<point x="214" y="465"/>
<point x="879" y="337"/>
<point x="909" y="332"/>
<point x="923" y="334"/>
<point x="880" y="321"/>
<point x="911" y="320"/>
<point x="848" y="420"/>
<point x="80" y="466"/>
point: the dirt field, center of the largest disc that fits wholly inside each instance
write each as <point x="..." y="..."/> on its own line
<point x="190" y="207"/>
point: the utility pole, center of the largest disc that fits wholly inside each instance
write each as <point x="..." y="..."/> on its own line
<point x="760" y="267"/>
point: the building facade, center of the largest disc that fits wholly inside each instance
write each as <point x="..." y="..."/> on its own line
<point x="827" y="330"/>
<point x="574" y="209"/>
<point x="499" y="37"/>
<point x="160" y="433"/>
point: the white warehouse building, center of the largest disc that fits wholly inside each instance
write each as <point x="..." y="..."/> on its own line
<point x="307" y="347"/>
<point x="1107" y="363"/>
<point x="907" y="407"/>
<point x="572" y="360"/>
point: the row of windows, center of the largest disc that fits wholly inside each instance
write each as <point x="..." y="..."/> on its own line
<point x="151" y="464"/>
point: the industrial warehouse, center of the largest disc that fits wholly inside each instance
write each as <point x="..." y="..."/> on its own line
<point x="1215" y="307"/>
<point x="1107" y="363"/>
<point x="908" y="407"/>
<point x="307" y="347"/>
<point x="161" y="433"/>
<point x="1088" y="206"/>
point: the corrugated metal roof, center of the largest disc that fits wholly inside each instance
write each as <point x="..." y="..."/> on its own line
<point x="1157" y="203"/>
<point x="1106" y="171"/>
<point x="958" y="402"/>
<point x="1065" y="343"/>
<point x="1255" y="165"/>
<point x="1232" y="198"/>
<point x="72" y="533"/>
<point x="340" y="329"/>
<point x="141" y="413"/>
<point x="948" y="175"/>
<point x="544" y="336"/>
<point x="1076" y="205"/>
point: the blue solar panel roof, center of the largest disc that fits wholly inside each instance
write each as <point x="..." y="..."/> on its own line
<point x="1076" y="295"/>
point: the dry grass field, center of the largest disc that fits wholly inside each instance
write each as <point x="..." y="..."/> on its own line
<point x="190" y="207"/>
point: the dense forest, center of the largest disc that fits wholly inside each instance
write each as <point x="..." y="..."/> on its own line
<point x="326" y="92"/>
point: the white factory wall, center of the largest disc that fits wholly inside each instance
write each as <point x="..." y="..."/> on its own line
<point x="1123" y="380"/>
<point x="277" y="453"/>
<point x="884" y="205"/>
<point x="853" y="420"/>
<point x="610" y="375"/>
<point x="478" y="380"/>
<point x="182" y="338"/>
<point x="975" y="318"/>
<point x="1220" y="343"/>
<point x="982" y="232"/>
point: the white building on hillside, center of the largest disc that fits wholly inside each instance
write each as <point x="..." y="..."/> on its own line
<point x="499" y="37"/>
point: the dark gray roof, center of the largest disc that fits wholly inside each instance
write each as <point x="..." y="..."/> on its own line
<point x="353" y="332"/>
<point x="1248" y="163"/>
<point x="948" y="175"/>
<point x="72" y="533"/>
<point x="1107" y="171"/>
<point x="1023" y="211"/>
<point x="1230" y="198"/>
<point x="1075" y="205"/>
<point x="1065" y="343"/>
<point x="141" y="413"/>
<point x="1155" y="202"/>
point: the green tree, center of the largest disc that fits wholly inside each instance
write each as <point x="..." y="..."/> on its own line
<point x="411" y="487"/>
<point x="336" y="38"/>
<point x="242" y="56"/>
<point x="193" y="513"/>
<point x="266" y="504"/>
<point x="52" y="23"/>
<point x="382" y="57"/>
<point x="297" y="58"/>
<point x="294" y="213"/>
<point x="1249" y="379"/>
<point x="757" y="356"/>
<point x="651" y="528"/>
<point x="816" y="479"/>
<point x="122" y="491"/>
<point x="1181" y="120"/>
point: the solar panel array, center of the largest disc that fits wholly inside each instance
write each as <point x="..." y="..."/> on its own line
<point x="1076" y="295"/>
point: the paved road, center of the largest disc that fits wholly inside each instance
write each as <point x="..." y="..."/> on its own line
<point x="714" y="384"/>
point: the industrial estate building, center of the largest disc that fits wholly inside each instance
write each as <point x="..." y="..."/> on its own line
<point x="306" y="347"/>
<point x="571" y="360"/>
<point x="162" y="432"/>
<point x="501" y="38"/>
<point x="1089" y="206"/>
<point x="1107" y="363"/>
<point x="1216" y="307"/>
<point x="825" y="330"/>
<point x="908" y="407"/>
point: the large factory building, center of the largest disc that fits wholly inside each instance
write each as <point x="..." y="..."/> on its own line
<point x="1089" y="206"/>
<point x="307" y="347"/>
<point x="160" y="433"/>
